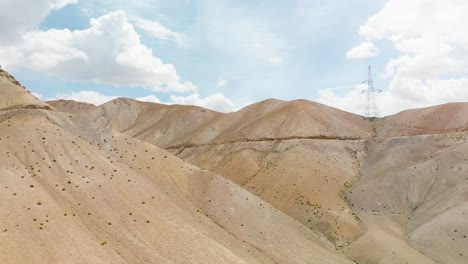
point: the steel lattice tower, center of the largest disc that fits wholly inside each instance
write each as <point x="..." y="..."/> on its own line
<point x="371" y="108"/>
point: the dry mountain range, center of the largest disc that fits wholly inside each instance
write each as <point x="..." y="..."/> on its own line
<point x="276" y="182"/>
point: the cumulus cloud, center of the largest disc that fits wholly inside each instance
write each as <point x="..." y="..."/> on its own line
<point x="353" y="101"/>
<point x="363" y="51"/>
<point x="109" y="52"/>
<point x="159" y="31"/>
<point x="428" y="34"/>
<point x="217" y="102"/>
<point x="432" y="67"/>
<point x="149" y="98"/>
<point x="408" y="93"/>
<point x="91" y="97"/>
<point x="57" y="4"/>
<point x="19" y="16"/>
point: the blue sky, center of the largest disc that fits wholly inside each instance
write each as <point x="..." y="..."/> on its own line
<point x="218" y="54"/>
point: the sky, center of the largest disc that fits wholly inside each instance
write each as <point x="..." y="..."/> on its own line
<point x="226" y="54"/>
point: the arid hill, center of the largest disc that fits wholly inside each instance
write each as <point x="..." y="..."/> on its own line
<point x="70" y="106"/>
<point x="13" y="95"/>
<point x="156" y="123"/>
<point x="78" y="192"/>
<point x="389" y="191"/>
<point x="300" y="156"/>
<point x="413" y="189"/>
<point x="441" y="119"/>
<point x="174" y="125"/>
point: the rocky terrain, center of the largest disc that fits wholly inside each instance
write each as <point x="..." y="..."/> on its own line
<point x="276" y="182"/>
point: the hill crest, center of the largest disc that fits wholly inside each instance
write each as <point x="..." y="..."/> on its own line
<point x="13" y="95"/>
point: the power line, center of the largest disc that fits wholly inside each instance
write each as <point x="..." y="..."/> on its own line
<point x="371" y="108"/>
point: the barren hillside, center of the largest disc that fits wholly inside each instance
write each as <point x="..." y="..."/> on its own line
<point x="416" y="183"/>
<point x="441" y="119"/>
<point x="69" y="106"/>
<point x="80" y="193"/>
<point x="300" y="156"/>
<point x="156" y="123"/>
<point x="13" y="95"/>
<point x="172" y="126"/>
<point x="389" y="191"/>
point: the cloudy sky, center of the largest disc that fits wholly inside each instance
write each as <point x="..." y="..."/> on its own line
<point x="225" y="54"/>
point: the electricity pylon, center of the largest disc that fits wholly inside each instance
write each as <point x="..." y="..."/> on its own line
<point x="371" y="108"/>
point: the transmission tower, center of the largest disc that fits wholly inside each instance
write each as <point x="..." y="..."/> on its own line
<point x="371" y="108"/>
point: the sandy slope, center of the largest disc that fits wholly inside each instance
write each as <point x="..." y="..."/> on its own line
<point x="13" y="95"/>
<point x="389" y="191"/>
<point x="440" y="119"/>
<point x="300" y="156"/>
<point x="79" y="193"/>
<point x="70" y="106"/>
<point x="420" y="185"/>
<point x="66" y="198"/>
<point x="303" y="178"/>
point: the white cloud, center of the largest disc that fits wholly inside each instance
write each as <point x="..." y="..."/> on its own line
<point x="109" y="52"/>
<point x="432" y="67"/>
<point x="91" y="97"/>
<point x="405" y="94"/>
<point x="363" y="51"/>
<point x="19" y="16"/>
<point x="57" y="4"/>
<point x="430" y="35"/>
<point x="222" y="82"/>
<point x="353" y="101"/>
<point x="215" y="102"/>
<point x="149" y="98"/>
<point x="276" y="60"/>
<point x="37" y="95"/>
<point x="159" y="31"/>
